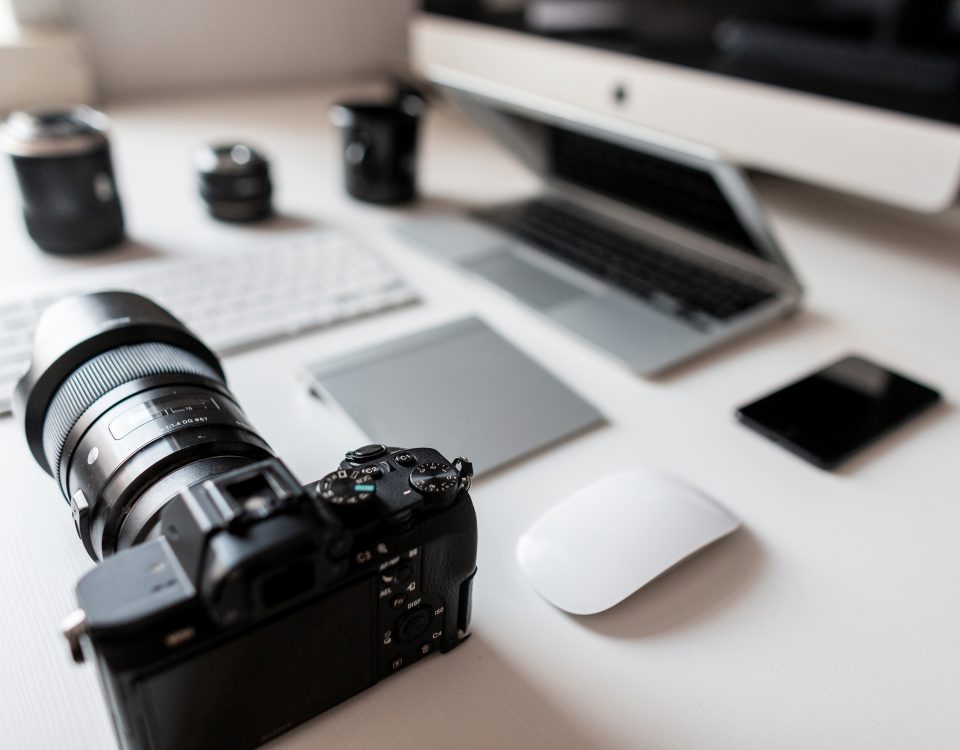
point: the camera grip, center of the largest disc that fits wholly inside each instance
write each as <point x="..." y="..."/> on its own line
<point x="449" y="568"/>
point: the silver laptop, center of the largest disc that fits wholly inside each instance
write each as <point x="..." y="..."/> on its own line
<point x="649" y="247"/>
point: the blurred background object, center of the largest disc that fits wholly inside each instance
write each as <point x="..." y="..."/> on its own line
<point x="56" y="49"/>
<point x="42" y="60"/>
<point x="856" y="95"/>
<point x="63" y="166"/>
<point x="380" y="146"/>
<point x="234" y="181"/>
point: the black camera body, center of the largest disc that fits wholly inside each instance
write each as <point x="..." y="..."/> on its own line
<point x="262" y="603"/>
<point x="231" y="603"/>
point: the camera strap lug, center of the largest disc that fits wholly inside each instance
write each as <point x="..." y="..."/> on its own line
<point x="465" y="470"/>
<point x="74" y="627"/>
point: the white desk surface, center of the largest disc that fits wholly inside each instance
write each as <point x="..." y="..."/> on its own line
<point x="831" y="621"/>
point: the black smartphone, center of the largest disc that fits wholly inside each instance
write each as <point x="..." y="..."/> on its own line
<point x="828" y="416"/>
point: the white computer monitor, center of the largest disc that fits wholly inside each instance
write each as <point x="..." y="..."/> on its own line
<point x="881" y="154"/>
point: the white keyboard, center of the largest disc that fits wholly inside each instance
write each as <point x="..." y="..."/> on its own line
<point x="232" y="300"/>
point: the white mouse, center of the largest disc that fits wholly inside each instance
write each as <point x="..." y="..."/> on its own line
<point x="598" y="546"/>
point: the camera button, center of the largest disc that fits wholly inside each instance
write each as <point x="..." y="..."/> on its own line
<point x="405" y="459"/>
<point x="396" y="663"/>
<point x="412" y="626"/>
<point x="398" y="574"/>
<point x="366" y="452"/>
<point x="398" y="601"/>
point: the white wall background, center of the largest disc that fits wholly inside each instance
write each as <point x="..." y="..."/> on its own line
<point x="143" y="47"/>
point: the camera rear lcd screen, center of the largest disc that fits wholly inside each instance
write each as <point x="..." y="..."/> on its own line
<point x="831" y="414"/>
<point x="257" y="686"/>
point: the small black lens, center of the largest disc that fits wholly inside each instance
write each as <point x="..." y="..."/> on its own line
<point x="234" y="182"/>
<point x="124" y="407"/>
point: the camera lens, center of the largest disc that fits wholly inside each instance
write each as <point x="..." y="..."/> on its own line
<point x="124" y="407"/>
<point x="62" y="161"/>
<point x="234" y="181"/>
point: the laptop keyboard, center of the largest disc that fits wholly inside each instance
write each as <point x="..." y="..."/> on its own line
<point x="234" y="300"/>
<point x="687" y="289"/>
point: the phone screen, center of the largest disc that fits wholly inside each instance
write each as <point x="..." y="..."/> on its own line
<point x="828" y="416"/>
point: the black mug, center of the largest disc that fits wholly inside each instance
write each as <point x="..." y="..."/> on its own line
<point x="62" y="161"/>
<point x="380" y="147"/>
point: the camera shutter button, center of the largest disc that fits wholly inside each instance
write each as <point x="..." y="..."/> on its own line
<point x="366" y="452"/>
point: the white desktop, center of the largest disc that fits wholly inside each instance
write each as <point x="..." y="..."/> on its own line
<point x="827" y="621"/>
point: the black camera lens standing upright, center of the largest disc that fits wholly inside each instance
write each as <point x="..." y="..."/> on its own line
<point x="214" y="561"/>
<point x="380" y="147"/>
<point x="62" y="161"/>
<point x="234" y="181"/>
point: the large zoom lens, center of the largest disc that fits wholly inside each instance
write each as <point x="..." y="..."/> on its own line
<point x="124" y="407"/>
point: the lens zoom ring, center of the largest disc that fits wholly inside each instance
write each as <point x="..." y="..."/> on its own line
<point x="101" y="375"/>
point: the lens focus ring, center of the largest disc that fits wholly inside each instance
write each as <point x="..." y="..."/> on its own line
<point x="101" y="375"/>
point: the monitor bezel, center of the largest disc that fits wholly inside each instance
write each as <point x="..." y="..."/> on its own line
<point x="878" y="154"/>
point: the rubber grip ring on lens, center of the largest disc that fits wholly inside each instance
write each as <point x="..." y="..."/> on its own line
<point x="103" y="373"/>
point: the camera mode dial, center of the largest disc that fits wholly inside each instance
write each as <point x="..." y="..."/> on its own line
<point x="345" y="487"/>
<point x="435" y="480"/>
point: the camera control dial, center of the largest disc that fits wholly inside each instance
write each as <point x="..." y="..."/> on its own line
<point x="438" y="481"/>
<point x="346" y="487"/>
<point x="413" y="624"/>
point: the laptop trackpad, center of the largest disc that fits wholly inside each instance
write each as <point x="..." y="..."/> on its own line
<point x="538" y="288"/>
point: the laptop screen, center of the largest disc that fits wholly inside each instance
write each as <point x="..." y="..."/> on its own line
<point x="670" y="179"/>
<point x="677" y="192"/>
